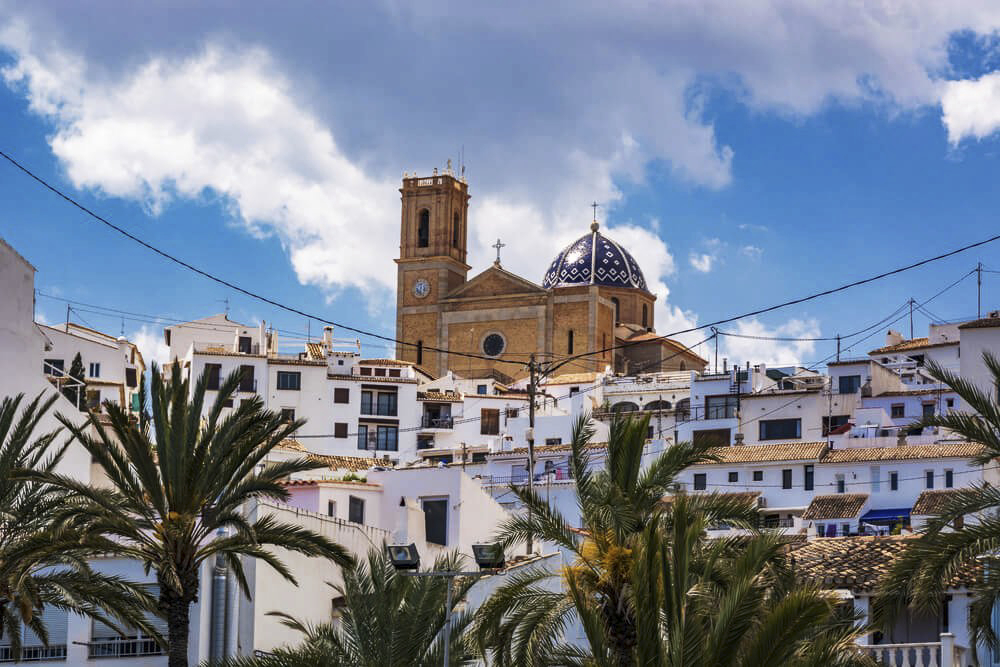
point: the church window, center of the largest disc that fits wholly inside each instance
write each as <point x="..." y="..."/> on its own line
<point x="569" y="341"/>
<point x="493" y="345"/>
<point x="682" y="366"/>
<point x="424" y="229"/>
<point x="645" y="315"/>
<point x="617" y="306"/>
<point x="420" y="352"/>
<point x="455" y="228"/>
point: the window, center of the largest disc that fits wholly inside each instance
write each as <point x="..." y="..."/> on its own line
<point x="93" y="399"/>
<point x="106" y="642"/>
<point x="394" y="372"/>
<point x="928" y="410"/>
<point x="424" y="228"/>
<point x="809" y="478"/>
<point x="875" y="475"/>
<point x="340" y="430"/>
<point x="845" y="529"/>
<point x="841" y="483"/>
<point x="897" y="411"/>
<point x="436" y="521"/>
<point x="833" y="423"/>
<point x="364" y="371"/>
<point x="287" y="414"/>
<point x="720" y="407"/>
<point x="919" y="358"/>
<point x="780" y="429"/>
<point x="553" y="441"/>
<point x="420" y="352"/>
<point x="386" y="437"/>
<point x="573" y="391"/>
<point x="645" y="316"/>
<point x="425" y="442"/>
<point x="493" y="345"/>
<point x="455" y="229"/>
<point x="135" y="403"/>
<point x="481" y="389"/>
<point x="213" y="376"/>
<point x="341" y="395"/>
<point x="511" y="413"/>
<point x="489" y="424"/>
<point x="949" y="479"/>
<point x="700" y="481"/>
<point x="929" y="479"/>
<point x="894" y="481"/>
<point x="380" y="372"/>
<point x="383" y="403"/>
<point x="569" y="342"/>
<point x="247" y="383"/>
<point x="331" y="508"/>
<point x="758" y="475"/>
<point x="94" y="369"/>
<point x="734" y="476"/>
<point x="131" y="377"/>
<point x="53" y="367"/>
<point x="949" y="402"/>
<point x="849" y="384"/>
<point x="715" y="437"/>
<point x="355" y="510"/>
<point x="290" y="380"/>
<point x="786" y="478"/>
<point x="616" y="305"/>
<point x="245" y="344"/>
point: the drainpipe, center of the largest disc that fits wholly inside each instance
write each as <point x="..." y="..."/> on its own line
<point x="220" y="607"/>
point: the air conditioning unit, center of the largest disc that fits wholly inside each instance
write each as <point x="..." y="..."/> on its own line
<point x="761" y="502"/>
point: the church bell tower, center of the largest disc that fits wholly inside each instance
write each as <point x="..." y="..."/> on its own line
<point x="432" y="254"/>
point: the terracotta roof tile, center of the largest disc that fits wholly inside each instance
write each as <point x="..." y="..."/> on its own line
<point x="835" y="506"/>
<point x="351" y="463"/>
<point x="315" y="351"/>
<point x="913" y="344"/>
<point x="434" y="395"/>
<point x="572" y="378"/>
<point x="857" y="563"/>
<point x="915" y="392"/>
<point x="984" y="323"/>
<point x="965" y="450"/>
<point x="932" y="502"/>
<point x="798" y="451"/>
<point x="384" y="362"/>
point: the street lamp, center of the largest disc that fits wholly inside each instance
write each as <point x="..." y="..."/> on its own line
<point x="406" y="559"/>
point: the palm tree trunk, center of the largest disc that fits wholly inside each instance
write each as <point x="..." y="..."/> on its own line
<point x="177" y="632"/>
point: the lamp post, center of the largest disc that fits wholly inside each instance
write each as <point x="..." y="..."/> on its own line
<point x="406" y="559"/>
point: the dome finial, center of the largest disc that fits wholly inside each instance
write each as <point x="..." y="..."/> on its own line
<point x="593" y="225"/>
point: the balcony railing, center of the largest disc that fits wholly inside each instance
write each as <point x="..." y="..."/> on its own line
<point x="124" y="648"/>
<point x="34" y="653"/>
<point x="430" y="421"/>
<point x="944" y="653"/>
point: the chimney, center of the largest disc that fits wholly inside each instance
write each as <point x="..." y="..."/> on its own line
<point x="893" y="338"/>
<point x="328" y="338"/>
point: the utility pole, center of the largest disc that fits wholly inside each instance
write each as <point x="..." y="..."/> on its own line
<point x="979" y="290"/>
<point x="911" y="318"/>
<point x="67" y="317"/>
<point x="838" y="347"/>
<point x="715" y="335"/>
<point x="532" y="389"/>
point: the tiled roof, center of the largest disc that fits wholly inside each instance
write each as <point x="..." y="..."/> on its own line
<point x="572" y="378"/>
<point x="857" y="563"/>
<point x="317" y="482"/>
<point x="351" y="463"/>
<point x="748" y="496"/>
<point x="433" y="395"/>
<point x="913" y="344"/>
<point x="835" y="506"/>
<point x="291" y="361"/>
<point x="932" y="502"/>
<point x="315" y="351"/>
<point x="798" y="451"/>
<point x="544" y="449"/>
<point x="646" y="336"/>
<point x="384" y="362"/>
<point x="965" y="450"/>
<point x="371" y="378"/>
<point x="984" y="323"/>
<point x="915" y="392"/>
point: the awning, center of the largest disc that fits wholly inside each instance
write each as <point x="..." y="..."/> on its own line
<point x="886" y="515"/>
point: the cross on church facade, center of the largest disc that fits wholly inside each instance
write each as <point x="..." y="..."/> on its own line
<point x="594" y="206"/>
<point x="498" y="245"/>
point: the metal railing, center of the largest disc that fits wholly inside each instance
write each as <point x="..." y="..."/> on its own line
<point x="429" y="421"/>
<point x="944" y="653"/>
<point x="34" y="653"/>
<point x="123" y="648"/>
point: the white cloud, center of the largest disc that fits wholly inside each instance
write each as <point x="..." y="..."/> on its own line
<point x="752" y="251"/>
<point x="748" y="227"/>
<point x="151" y="346"/>
<point x="971" y="108"/>
<point x="701" y="261"/>
<point x="754" y="350"/>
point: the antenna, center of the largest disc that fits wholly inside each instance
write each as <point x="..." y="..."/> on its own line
<point x="225" y="301"/>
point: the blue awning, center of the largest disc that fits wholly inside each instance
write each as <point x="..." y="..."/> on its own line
<point x="886" y="515"/>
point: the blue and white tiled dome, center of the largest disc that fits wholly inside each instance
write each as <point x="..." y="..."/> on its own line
<point x="594" y="259"/>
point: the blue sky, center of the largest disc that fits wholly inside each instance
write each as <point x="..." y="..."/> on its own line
<point x="746" y="154"/>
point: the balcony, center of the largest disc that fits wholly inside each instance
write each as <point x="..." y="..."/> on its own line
<point x="434" y="422"/>
<point x="34" y="653"/>
<point x="123" y="648"/>
<point x="944" y="653"/>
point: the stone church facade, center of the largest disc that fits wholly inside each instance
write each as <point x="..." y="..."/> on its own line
<point x="592" y="300"/>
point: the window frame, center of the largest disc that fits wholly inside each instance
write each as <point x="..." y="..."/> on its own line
<point x="787" y="478"/>
<point x="764" y="424"/>
<point x="699" y="481"/>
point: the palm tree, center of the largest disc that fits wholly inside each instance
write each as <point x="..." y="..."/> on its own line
<point x="389" y="620"/>
<point x="646" y="584"/>
<point x="949" y="546"/>
<point x="176" y="480"/>
<point x="42" y="565"/>
<point x="521" y="623"/>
